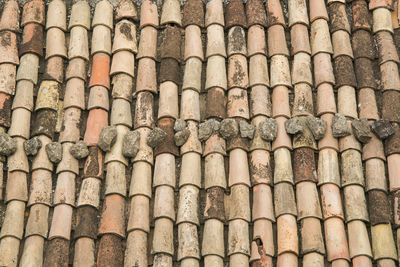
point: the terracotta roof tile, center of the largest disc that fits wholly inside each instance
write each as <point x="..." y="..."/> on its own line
<point x="148" y="14"/>
<point x="10" y="17"/>
<point x="124" y="37"/>
<point x="297" y="13"/>
<point x="318" y="10"/>
<point x="256" y="14"/>
<point x="171" y="13"/>
<point x="362" y="19"/>
<point x="382" y="20"/>
<point x="56" y="15"/>
<point x="214" y="13"/>
<point x="33" y="12"/>
<point x="235" y="14"/>
<point x="193" y="13"/>
<point x="126" y="9"/>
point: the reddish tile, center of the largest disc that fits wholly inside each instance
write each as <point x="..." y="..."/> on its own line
<point x="10" y="17"/>
<point x="361" y="17"/>
<point x="255" y="12"/>
<point x="97" y="119"/>
<point x="32" y="39"/>
<point x="33" y="12"/>
<point x="100" y="70"/>
<point x="235" y="15"/>
<point x="110" y="251"/>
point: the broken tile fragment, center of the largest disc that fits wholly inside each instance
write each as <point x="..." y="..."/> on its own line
<point x="317" y="127"/>
<point x="130" y="145"/>
<point x="229" y="128"/>
<point x="294" y="126"/>
<point x="268" y="129"/>
<point x="246" y="129"/>
<point x="79" y="150"/>
<point x="207" y="128"/>
<point x="361" y="130"/>
<point x="179" y="125"/>
<point x="339" y="126"/>
<point x="54" y="151"/>
<point x="382" y="128"/>
<point x="7" y="145"/>
<point x="181" y="137"/>
<point x="108" y="137"/>
<point x="32" y="146"/>
<point x="155" y="137"/>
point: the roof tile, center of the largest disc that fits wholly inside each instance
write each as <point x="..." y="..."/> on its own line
<point x="307" y="201"/>
<point x="214" y="13"/>
<point x="115" y="176"/>
<point x="363" y="45"/>
<point x="65" y="190"/>
<point x="255" y="12"/>
<point x="276" y="37"/>
<point x="103" y="15"/>
<point x="282" y="139"/>
<point x="125" y="37"/>
<point x="390" y="105"/>
<point x="10" y="17"/>
<point x="193" y="13"/>
<point x="37" y="221"/>
<point x="328" y="171"/>
<point x="274" y="13"/>
<point x="89" y="195"/>
<point x="56" y="15"/>
<point x="284" y="200"/>
<point x="234" y="14"/>
<point x="190" y="107"/>
<point x="171" y="13"/>
<point x="382" y="20"/>
<point x="318" y="10"/>
<point x="378" y="206"/>
<point x="336" y="242"/>
<point x="170" y="71"/>
<point x="84" y="251"/>
<point x="355" y="204"/>
<point x="256" y="41"/>
<point x="7" y="76"/>
<point x="61" y="222"/>
<point x="299" y="39"/>
<point x="71" y="125"/>
<point x="17" y="187"/>
<point x="211" y="244"/>
<point x="215" y="41"/>
<point x="386" y="47"/>
<point x="146" y="76"/>
<point x="101" y="40"/>
<point x="5" y="106"/>
<point x="236" y="41"/>
<point x="57" y="252"/>
<point x="54" y="70"/>
<point x="32" y="40"/>
<point x="216" y="73"/>
<point x="78" y="44"/>
<point x="214" y="174"/>
<point x="33" y="12"/>
<point x="287" y="234"/>
<point x="297" y="13"/>
<point x="111" y="252"/>
<point x="80" y="16"/>
<point x="148" y="14"/>
<point x="126" y="9"/>
<point x="260" y="101"/>
<point x="362" y="19"/>
<point x="193" y="44"/>
<point x="122" y="87"/>
<point x="338" y="17"/>
<point x="374" y="171"/>
<point x="320" y="38"/>
<point x="311" y="236"/>
<point x="8" y="48"/>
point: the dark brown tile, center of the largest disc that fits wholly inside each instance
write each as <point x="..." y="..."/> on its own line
<point x="171" y="44"/>
<point x="304" y="165"/>
<point x="86" y="222"/>
<point x="170" y="71"/>
<point x="57" y="253"/>
<point x="365" y="73"/>
<point x="378" y="206"/>
<point x="235" y="15"/>
<point x="168" y="145"/>
<point x="193" y="13"/>
<point x="111" y="252"/>
<point x="363" y="45"/>
<point x="344" y="71"/>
